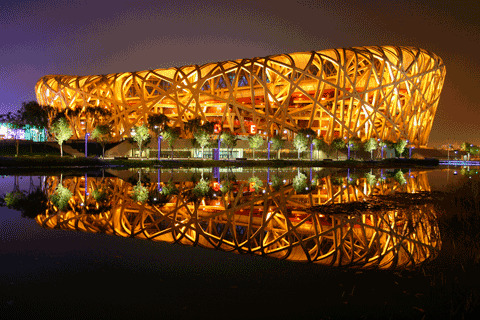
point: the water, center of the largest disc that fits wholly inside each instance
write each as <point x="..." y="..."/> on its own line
<point x="206" y="239"/>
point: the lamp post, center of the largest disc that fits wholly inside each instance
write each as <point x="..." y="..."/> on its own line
<point x="410" y="152"/>
<point x="86" y="144"/>
<point x="159" y="140"/>
<point x="159" y="179"/>
<point x="218" y="150"/>
<point x="269" y="143"/>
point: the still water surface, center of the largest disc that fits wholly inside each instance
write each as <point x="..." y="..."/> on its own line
<point x="331" y="217"/>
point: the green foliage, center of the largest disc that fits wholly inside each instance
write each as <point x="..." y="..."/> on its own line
<point x="62" y="131"/>
<point x="400" y="146"/>
<point x="399" y="177"/>
<point x="226" y="187"/>
<point x="202" y="137"/>
<point x="229" y="139"/>
<point x="319" y="144"/>
<point x="255" y="142"/>
<point x="34" y="114"/>
<point x="371" y="179"/>
<point x="170" y="135"/>
<point x="141" y="135"/>
<point x="338" y="144"/>
<point x="140" y="193"/>
<point x="300" y="183"/>
<point x="202" y="188"/>
<point x="60" y="197"/>
<point x="370" y="145"/>
<point x="99" y="195"/>
<point x="277" y="182"/>
<point x="255" y="183"/>
<point x="13" y="199"/>
<point x="102" y="133"/>
<point x="300" y="142"/>
<point x="157" y="123"/>
<point x="277" y="142"/>
<point x="170" y="188"/>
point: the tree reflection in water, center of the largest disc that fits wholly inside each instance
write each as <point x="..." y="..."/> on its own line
<point x="274" y="220"/>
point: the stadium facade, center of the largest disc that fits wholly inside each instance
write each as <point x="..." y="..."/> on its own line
<point x="385" y="92"/>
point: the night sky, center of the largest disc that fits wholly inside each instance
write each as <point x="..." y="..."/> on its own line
<point x="100" y="37"/>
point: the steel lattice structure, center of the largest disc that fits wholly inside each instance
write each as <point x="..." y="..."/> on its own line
<point x="276" y="223"/>
<point x="383" y="92"/>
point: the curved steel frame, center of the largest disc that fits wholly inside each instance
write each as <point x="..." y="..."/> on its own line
<point x="383" y="92"/>
<point x="274" y="223"/>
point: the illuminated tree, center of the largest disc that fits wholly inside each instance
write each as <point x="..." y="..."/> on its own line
<point x="320" y="145"/>
<point x="300" y="183"/>
<point x="277" y="144"/>
<point x="61" y="197"/>
<point x="202" y="137"/>
<point x="140" y="193"/>
<point x="62" y="132"/>
<point x="201" y="189"/>
<point x="338" y="144"/>
<point x="400" y="146"/>
<point x="370" y="145"/>
<point x="171" y="135"/>
<point x="229" y="139"/>
<point x="300" y="142"/>
<point x="255" y="142"/>
<point x="141" y="135"/>
<point x="102" y="133"/>
<point x="255" y="183"/>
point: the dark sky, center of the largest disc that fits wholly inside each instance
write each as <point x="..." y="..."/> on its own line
<point x="43" y="37"/>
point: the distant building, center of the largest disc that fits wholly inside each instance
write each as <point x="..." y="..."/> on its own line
<point x="26" y="133"/>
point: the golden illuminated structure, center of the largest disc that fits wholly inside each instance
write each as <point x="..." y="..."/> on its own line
<point x="383" y="92"/>
<point x="276" y="223"/>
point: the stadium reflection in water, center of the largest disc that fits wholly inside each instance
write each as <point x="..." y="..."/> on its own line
<point x="282" y="219"/>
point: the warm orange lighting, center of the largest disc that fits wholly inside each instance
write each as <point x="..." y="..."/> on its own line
<point x="386" y="92"/>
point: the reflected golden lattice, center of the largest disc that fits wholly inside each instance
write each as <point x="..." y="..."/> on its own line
<point x="381" y="92"/>
<point x="276" y="223"/>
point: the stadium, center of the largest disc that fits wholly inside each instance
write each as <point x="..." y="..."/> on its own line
<point x="384" y="92"/>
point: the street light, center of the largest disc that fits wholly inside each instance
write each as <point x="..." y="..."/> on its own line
<point x="159" y="140"/>
<point x="86" y="144"/>
<point x="269" y="143"/>
<point x="218" y="150"/>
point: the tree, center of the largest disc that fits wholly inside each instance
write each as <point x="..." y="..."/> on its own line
<point x="229" y="139"/>
<point x="355" y="145"/>
<point x="62" y="131"/>
<point x="171" y="135"/>
<point x="255" y="142"/>
<point x="338" y="144"/>
<point x="400" y="146"/>
<point x="300" y="142"/>
<point x="15" y="122"/>
<point x="202" y="137"/>
<point x="34" y="115"/>
<point x="370" y="145"/>
<point x="97" y="114"/>
<point x="141" y="135"/>
<point x="277" y="144"/>
<point x="466" y="146"/>
<point x="61" y="197"/>
<point x="320" y="145"/>
<point x="102" y="133"/>
<point x="157" y="123"/>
